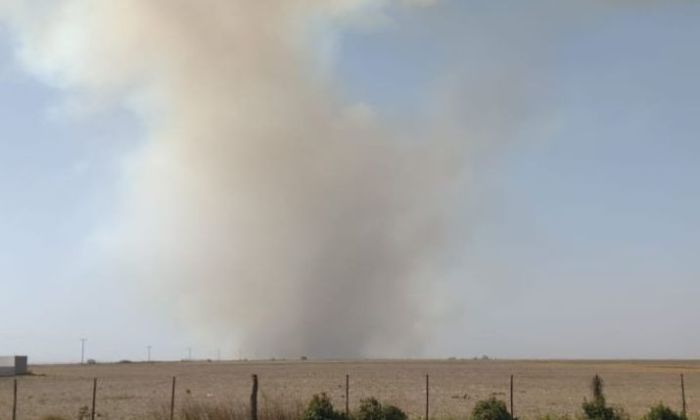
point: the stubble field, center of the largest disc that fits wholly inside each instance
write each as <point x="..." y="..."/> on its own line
<point x="134" y="390"/>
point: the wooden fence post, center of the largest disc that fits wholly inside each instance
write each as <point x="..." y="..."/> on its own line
<point x="14" y="401"/>
<point x="172" y="399"/>
<point x="512" y="410"/>
<point x="427" y="397"/>
<point x="683" y="396"/>
<point x="94" y="398"/>
<point x="347" y="395"/>
<point x="254" y="399"/>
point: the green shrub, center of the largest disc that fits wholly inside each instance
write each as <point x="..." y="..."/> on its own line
<point x="491" y="409"/>
<point x="321" y="408"/>
<point x="662" y="412"/>
<point x="371" y="409"/>
<point x="597" y="409"/>
<point x="594" y="410"/>
<point x="554" y="417"/>
<point x="392" y="412"/>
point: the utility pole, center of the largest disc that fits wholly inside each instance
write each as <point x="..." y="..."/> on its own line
<point x="684" y="412"/>
<point x="149" y="353"/>
<point x="82" y="350"/>
<point x="189" y="353"/>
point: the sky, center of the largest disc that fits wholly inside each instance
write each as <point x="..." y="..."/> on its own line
<point x="576" y="223"/>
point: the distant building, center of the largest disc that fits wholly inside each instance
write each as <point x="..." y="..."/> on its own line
<point x="13" y="365"/>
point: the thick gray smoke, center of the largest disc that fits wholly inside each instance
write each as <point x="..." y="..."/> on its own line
<point x="261" y="207"/>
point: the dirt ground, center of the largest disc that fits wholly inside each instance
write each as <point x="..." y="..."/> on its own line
<point x="133" y="390"/>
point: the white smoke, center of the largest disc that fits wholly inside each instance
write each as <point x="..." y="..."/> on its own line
<point x="261" y="205"/>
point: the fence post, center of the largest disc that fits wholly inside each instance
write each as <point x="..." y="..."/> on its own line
<point x="14" y="401"/>
<point x="512" y="411"/>
<point x="347" y="395"/>
<point x="254" y="399"/>
<point x="427" y="397"/>
<point x="683" y="395"/>
<point x="172" y="399"/>
<point x="94" y="398"/>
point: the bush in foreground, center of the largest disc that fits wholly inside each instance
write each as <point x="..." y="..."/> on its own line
<point x="491" y="409"/>
<point x="597" y="408"/>
<point x="392" y="412"/>
<point x="321" y="408"/>
<point x="554" y="417"/>
<point x="662" y="412"/>
<point x="371" y="409"/>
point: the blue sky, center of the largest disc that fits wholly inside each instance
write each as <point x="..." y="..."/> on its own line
<point x="585" y="213"/>
<point x="590" y="212"/>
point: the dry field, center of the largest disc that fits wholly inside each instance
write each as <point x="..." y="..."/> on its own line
<point x="132" y="391"/>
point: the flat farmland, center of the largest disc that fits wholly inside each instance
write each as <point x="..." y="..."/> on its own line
<point x="135" y="390"/>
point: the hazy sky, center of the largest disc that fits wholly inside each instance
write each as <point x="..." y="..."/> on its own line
<point x="579" y="223"/>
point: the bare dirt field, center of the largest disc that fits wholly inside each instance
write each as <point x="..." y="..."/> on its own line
<point x="133" y="390"/>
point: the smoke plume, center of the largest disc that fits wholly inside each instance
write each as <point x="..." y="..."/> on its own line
<point x="261" y="207"/>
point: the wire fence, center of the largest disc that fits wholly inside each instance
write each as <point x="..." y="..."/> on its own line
<point x="441" y="394"/>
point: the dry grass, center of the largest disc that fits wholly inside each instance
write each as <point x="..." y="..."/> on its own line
<point x="132" y="391"/>
<point x="202" y="411"/>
